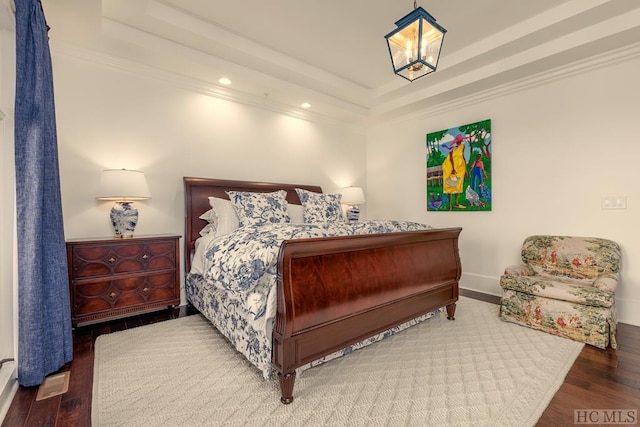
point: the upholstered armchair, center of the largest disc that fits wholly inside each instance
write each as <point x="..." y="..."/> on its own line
<point x="565" y="286"/>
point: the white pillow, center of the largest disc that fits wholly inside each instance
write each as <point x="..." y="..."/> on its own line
<point x="209" y="216"/>
<point x="260" y="208"/>
<point x="296" y="212"/>
<point x="209" y="228"/>
<point x="197" y="260"/>
<point x="226" y="217"/>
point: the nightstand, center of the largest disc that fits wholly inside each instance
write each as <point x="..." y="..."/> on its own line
<point x="111" y="278"/>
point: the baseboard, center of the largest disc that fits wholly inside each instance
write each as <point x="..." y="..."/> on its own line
<point x="628" y="312"/>
<point x="483" y="284"/>
<point x="484" y="288"/>
<point x="8" y="387"/>
<point x="481" y="296"/>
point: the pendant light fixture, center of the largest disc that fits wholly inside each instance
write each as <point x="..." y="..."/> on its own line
<point x="415" y="45"/>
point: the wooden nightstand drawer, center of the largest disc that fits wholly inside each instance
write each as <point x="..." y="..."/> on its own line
<point x="130" y="292"/>
<point x="98" y="259"/>
<point x="111" y="278"/>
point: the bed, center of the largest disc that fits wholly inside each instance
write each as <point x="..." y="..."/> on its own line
<point x="333" y="293"/>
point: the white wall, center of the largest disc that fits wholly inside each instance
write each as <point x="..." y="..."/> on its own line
<point x="8" y="286"/>
<point x="7" y="191"/>
<point x="558" y="148"/>
<point x="127" y="116"/>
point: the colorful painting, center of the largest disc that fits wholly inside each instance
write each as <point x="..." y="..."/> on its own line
<point x="459" y="168"/>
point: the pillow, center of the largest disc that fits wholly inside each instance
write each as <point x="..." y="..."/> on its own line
<point x="260" y="208"/>
<point x="209" y="216"/>
<point x="226" y="219"/>
<point x="209" y="228"/>
<point x="296" y="212"/>
<point x="320" y="207"/>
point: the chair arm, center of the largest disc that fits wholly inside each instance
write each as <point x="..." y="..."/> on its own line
<point x="519" y="270"/>
<point x="607" y="283"/>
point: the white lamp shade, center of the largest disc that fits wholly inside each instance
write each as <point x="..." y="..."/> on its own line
<point x="123" y="185"/>
<point x="352" y="196"/>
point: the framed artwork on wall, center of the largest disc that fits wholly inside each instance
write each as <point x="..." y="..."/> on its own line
<point x="459" y="168"/>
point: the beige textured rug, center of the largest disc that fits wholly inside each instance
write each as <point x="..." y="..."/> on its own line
<point x="474" y="371"/>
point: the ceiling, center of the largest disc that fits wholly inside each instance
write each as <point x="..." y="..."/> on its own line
<point x="332" y="53"/>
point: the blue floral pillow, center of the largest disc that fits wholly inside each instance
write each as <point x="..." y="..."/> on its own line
<point x="260" y="208"/>
<point x="320" y="207"/>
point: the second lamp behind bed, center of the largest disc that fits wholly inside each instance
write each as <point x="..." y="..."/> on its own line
<point x="352" y="197"/>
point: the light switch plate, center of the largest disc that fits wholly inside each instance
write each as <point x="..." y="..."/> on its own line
<point x="614" y="202"/>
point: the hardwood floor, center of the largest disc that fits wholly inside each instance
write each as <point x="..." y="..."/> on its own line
<point x="599" y="379"/>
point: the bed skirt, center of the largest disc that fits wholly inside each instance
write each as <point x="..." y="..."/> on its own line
<point x="229" y="316"/>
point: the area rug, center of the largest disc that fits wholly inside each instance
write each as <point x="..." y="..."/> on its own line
<point x="474" y="371"/>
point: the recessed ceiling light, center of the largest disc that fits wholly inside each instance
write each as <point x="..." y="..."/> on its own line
<point x="306" y="105"/>
<point x="224" y="81"/>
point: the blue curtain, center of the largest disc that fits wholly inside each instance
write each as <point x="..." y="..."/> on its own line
<point x="45" y="341"/>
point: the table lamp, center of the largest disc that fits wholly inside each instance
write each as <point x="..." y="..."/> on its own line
<point x="124" y="187"/>
<point x="352" y="197"/>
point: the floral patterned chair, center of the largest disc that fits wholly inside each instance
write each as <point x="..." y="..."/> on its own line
<point x="566" y="286"/>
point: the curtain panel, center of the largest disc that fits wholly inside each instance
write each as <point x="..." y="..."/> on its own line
<point x="45" y="341"/>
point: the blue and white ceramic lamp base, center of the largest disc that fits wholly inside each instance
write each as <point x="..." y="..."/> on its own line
<point x="353" y="213"/>
<point x="124" y="218"/>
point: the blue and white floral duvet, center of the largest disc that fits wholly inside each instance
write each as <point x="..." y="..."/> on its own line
<point x="244" y="261"/>
<point x="237" y="288"/>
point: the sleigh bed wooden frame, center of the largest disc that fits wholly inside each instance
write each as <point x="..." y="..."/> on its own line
<point x="333" y="292"/>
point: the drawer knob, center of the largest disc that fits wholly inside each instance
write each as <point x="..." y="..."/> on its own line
<point x="145" y="256"/>
<point x="112" y="295"/>
<point x="145" y="290"/>
<point x="112" y="260"/>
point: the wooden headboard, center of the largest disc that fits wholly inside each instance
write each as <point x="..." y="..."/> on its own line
<point x="196" y="196"/>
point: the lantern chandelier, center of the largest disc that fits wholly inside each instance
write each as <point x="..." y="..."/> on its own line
<point x="415" y="45"/>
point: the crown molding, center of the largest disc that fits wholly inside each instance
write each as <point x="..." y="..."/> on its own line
<point x="428" y="105"/>
<point x="616" y="28"/>
<point x="194" y="85"/>
<point x="582" y="66"/>
<point x="185" y="60"/>
<point x="243" y="47"/>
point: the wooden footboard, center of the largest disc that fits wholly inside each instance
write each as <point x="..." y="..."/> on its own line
<point x="334" y="292"/>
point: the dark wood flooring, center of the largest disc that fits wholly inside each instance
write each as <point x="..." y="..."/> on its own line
<point x="599" y="379"/>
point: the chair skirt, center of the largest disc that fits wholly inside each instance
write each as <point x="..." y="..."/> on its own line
<point x="591" y="325"/>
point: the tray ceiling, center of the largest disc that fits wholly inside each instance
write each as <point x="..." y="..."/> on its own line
<point x="332" y="53"/>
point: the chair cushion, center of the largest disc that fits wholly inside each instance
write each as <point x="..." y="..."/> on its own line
<point x="560" y="288"/>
